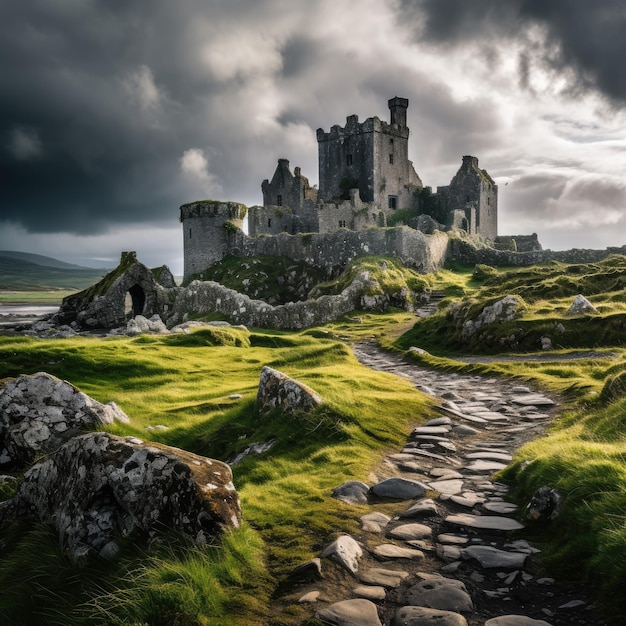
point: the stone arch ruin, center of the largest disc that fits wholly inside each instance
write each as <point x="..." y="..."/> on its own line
<point x="130" y="289"/>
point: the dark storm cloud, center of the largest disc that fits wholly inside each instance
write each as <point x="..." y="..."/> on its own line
<point x="101" y="100"/>
<point x="583" y="37"/>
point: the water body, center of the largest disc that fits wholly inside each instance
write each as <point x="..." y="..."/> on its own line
<point x="12" y="314"/>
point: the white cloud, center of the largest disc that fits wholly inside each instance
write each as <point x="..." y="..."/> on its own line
<point x="195" y="168"/>
<point x="24" y="143"/>
<point x="142" y="88"/>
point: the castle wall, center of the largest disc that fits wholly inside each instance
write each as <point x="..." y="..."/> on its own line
<point x="331" y="252"/>
<point x="467" y="253"/>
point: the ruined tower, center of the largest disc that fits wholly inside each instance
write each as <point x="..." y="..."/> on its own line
<point x="372" y="157"/>
<point x="473" y="193"/>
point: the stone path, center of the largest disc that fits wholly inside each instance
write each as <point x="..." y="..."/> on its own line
<point x="440" y="544"/>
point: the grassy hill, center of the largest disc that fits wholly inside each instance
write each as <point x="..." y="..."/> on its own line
<point x="20" y="271"/>
<point x="202" y="387"/>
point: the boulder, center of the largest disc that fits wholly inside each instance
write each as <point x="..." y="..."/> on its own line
<point x="349" y="613"/>
<point x="504" y="310"/>
<point x="581" y="306"/>
<point x="422" y="616"/>
<point x="98" y="487"/>
<point x="352" y="492"/>
<point x="445" y="594"/>
<point x="40" y="412"/>
<point x="345" y="551"/>
<point x="278" y="391"/>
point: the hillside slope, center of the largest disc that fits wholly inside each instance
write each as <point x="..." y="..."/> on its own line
<point x="34" y="272"/>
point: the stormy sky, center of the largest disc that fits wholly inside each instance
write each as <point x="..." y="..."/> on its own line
<point x="113" y="113"/>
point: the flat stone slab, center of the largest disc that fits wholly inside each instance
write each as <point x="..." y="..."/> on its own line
<point x="452" y="539"/>
<point x="423" y="508"/>
<point x="445" y="594"/>
<point x="485" y="467"/>
<point x="447" y="487"/>
<point x="425" y="453"/>
<point x="490" y="557"/>
<point x="310" y="597"/>
<point x="439" y="421"/>
<point x="422" y="616"/>
<point x="392" y="551"/>
<point x="485" y="522"/>
<point x="399" y="489"/>
<point x="491" y="416"/>
<point x="374" y="522"/>
<point x="501" y="508"/>
<point x="409" y="532"/>
<point x="430" y="430"/>
<point x="445" y="473"/>
<point x="515" y="620"/>
<point x="384" y="577"/>
<point x="463" y="416"/>
<point x="490" y="456"/>
<point x="370" y="592"/>
<point x="533" y="399"/>
<point x="350" y="612"/>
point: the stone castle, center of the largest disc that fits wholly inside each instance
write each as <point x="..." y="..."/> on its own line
<point x="366" y="181"/>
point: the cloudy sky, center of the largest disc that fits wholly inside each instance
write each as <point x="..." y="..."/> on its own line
<point x="113" y="113"/>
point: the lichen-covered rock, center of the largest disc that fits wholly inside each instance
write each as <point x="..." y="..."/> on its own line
<point x="39" y="412"/>
<point x="504" y="310"/>
<point x="278" y="391"/>
<point x="581" y="306"/>
<point x="98" y="487"/>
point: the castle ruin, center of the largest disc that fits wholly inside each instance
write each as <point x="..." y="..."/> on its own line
<point x="366" y="181"/>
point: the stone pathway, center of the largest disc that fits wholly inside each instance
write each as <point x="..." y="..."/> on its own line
<point x="440" y="544"/>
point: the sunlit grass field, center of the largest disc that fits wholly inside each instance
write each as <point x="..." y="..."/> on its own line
<point x="191" y="385"/>
<point x="184" y="382"/>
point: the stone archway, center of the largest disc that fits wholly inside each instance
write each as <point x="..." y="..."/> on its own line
<point x="134" y="301"/>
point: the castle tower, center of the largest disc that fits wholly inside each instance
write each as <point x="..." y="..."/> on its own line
<point x="372" y="157"/>
<point x="211" y="230"/>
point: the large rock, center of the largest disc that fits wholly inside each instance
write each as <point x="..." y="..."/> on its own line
<point x="40" y="412"/>
<point x="504" y="310"/>
<point x="422" y="616"/>
<point x="278" y="391"/>
<point x="345" y="551"/>
<point x="349" y="613"/>
<point x="445" y="594"/>
<point x="98" y="487"/>
<point x="581" y="306"/>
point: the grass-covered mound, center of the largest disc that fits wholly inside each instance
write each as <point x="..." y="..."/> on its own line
<point x="273" y="279"/>
<point x="191" y="384"/>
<point x="545" y="293"/>
<point x="390" y="280"/>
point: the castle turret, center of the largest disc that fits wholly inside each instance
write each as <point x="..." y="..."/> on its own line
<point x="211" y="230"/>
<point x="398" y="107"/>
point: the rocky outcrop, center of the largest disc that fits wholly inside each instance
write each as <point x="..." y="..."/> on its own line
<point x="40" y="412"/>
<point x="99" y="487"/>
<point x="504" y="310"/>
<point x="278" y="391"/>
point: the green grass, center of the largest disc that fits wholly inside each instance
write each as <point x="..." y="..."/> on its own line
<point x="34" y="297"/>
<point x="184" y="382"/>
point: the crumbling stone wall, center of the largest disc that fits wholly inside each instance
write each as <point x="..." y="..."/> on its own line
<point x="471" y="253"/>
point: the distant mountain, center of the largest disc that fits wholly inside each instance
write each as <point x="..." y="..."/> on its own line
<point x="21" y="271"/>
<point x="40" y="259"/>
